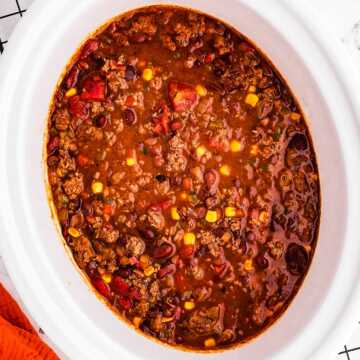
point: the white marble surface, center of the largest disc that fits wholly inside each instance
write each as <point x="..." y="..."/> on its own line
<point x="343" y="19"/>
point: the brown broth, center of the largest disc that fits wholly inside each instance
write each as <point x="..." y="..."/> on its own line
<point x="191" y="199"/>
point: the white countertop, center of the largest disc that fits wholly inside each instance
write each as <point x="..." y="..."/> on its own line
<point x="343" y="19"/>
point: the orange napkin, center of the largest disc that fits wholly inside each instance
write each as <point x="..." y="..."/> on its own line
<point x="18" y="339"/>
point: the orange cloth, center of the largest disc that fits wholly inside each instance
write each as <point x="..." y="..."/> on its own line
<point x="18" y="339"/>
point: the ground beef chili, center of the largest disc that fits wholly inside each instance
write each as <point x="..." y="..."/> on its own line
<point x="184" y="177"/>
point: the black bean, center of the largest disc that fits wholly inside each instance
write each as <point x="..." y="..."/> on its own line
<point x="130" y="72"/>
<point x="296" y="259"/>
<point x="160" y="178"/>
<point x="100" y="121"/>
<point x="298" y="142"/>
<point x="130" y="117"/>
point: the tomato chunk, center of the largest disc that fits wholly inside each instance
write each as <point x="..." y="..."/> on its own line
<point x="182" y="96"/>
<point x="161" y="120"/>
<point x="94" y="89"/>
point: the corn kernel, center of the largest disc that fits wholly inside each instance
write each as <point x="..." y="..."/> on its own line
<point x="144" y="260"/>
<point x="251" y="99"/>
<point x="211" y="216"/>
<point x="200" y="150"/>
<point x="71" y="92"/>
<point x="137" y="320"/>
<point x="252" y="89"/>
<point x="147" y="74"/>
<point x="295" y="116"/>
<point x="97" y="187"/>
<point x="184" y="196"/>
<point x="254" y="150"/>
<point x="148" y="271"/>
<point x="130" y="161"/>
<point x="174" y="213"/>
<point x="107" y="278"/>
<point x="248" y="265"/>
<point x="235" y="146"/>
<point x="225" y="170"/>
<point x="74" y="232"/>
<point x="189" y="238"/>
<point x="264" y="216"/>
<point x="200" y="90"/>
<point x="189" y="305"/>
<point x="230" y="211"/>
<point x="210" y="342"/>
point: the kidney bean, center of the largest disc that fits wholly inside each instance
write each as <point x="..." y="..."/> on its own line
<point x="120" y="286"/>
<point x="102" y="287"/>
<point x="53" y="145"/>
<point x="130" y="72"/>
<point x="165" y="250"/>
<point x="296" y="259"/>
<point x="166" y="270"/>
<point x="129" y="116"/>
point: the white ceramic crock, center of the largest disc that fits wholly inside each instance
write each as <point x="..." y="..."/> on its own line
<point x="52" y="288"/>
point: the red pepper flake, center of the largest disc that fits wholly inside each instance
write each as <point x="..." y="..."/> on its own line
<point x="94" y="89"/>
<point x="78" y="108"/>
<point x="102" y="287"/>
<point x="182" y="96"/>
<point x="120" y="286"/>
<point x="82" y="160"/>
<point x="186" y="251"/>
<point x="161" y="120"/>
<point x="89" y="47"/>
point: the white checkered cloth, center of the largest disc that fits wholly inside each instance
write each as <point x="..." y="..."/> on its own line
<point x="348" y="28"/>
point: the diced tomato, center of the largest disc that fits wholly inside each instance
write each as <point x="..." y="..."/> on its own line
<point x="161" y="120"/>
<point x="186" y="251"/>
<point x="102" y="287"/>
<point x="209" y="58"/>
<point x="78" y="108"/>
<point x="94" y="89"/>
<point x="120" y="286"/>
<point x="162" y="205"/>
<point x="176" y="125"/>
<point x="125" y="302"/>
<point x="134" y="294"/>
<point x="82" y="160"/>
<point x="180" y="281"/>
<point x="129" y="100"/>
<point x="182" y="96"/>
<point x="72" y="77"/>
<point x="89" y="47"/>
<point x="109" y="209"/>
<point x="53" y="144"/>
